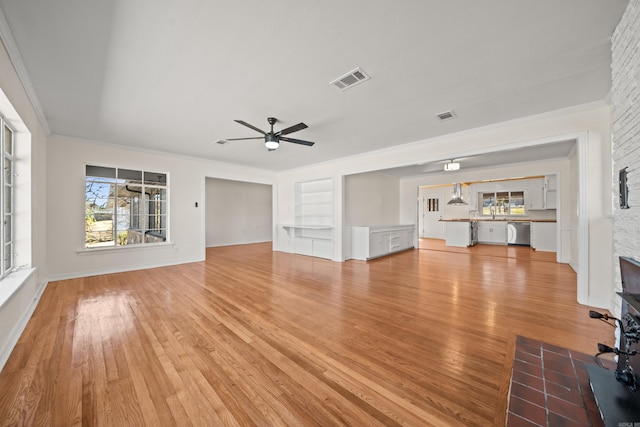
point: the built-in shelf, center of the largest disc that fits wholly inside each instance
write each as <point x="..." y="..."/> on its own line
<point x="312" y="232"/>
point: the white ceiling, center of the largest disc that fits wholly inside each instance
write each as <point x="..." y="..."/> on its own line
<point x="173" y="75"/>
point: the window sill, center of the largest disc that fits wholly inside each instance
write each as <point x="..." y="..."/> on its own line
<point x="9" y="285"/>
<point x="127" y="248"/>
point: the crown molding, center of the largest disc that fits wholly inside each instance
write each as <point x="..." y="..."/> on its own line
<point x="6" y="36"/>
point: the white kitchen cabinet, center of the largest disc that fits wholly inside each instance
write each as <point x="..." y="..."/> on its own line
<point x="534" y="195"/>
<point x="457" y="233"/>
<point x="543" y="236"/>
<point x="376" y="241"/>
<point x="494" y="232"/>
<point x="473" y="197"/>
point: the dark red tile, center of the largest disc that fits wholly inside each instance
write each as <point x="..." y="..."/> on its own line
<point x="550" y="356"/>
<point x="515" y="421"/>
<point x="556" y="420"/>
<point x="569" y="382"/>
<point x="528" y="410"/>
<point x="571" y="396"/>
<point x="595" y="418"/>
<point x="563" y="368"/>
<point x="527" y="341"/>
<point x="527" y="393"/>
<point x="590" y="402"/>
<point x="519" y="365"/>
<point x="567" y="410"/>
<point x="534" y="350"/>
<point x="555" y="349"/>
<point x="528" y="380"/>
<point x="584" y="358"/>
<point x="528" y="358"/>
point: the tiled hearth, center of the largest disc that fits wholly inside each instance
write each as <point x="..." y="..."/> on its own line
<point x="550" y="387"/>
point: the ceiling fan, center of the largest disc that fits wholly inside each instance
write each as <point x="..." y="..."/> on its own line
<point x="272" y="139"/>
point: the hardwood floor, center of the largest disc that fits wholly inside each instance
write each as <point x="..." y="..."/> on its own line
<point x="252" y="337"/>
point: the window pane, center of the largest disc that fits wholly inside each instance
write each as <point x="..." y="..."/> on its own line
<point x="8" y="171"/>
<point x="7" y="228"/>
<point x="516" y="206"/>
<point x="8" y="140"/>
<point x="8" y="257"/>
<point x="130" y="176"/>
<point x="155" y="178"/>
<point x="488" y="203"/>
<point x="502" y="203"/>
<point x="99" y="213"/>
<point x="100" y="172"/>
<point x="8" y="205"/>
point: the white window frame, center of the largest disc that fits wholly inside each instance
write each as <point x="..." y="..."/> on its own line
<point x="7" y="246"/>
<point x="145" y="213"/>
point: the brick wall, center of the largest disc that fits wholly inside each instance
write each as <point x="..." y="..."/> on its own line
<point x="625" y="96"/>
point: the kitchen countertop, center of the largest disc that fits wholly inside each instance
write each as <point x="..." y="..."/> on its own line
<point x="497" y="219"/>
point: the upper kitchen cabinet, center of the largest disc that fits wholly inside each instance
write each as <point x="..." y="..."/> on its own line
<point x="473" y="197"/>
<point x="551" y="194"/>
<point x="535" y="194"/>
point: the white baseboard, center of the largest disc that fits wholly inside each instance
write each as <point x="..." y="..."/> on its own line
<point x="574" y="266"/>
<point x="79" y="274"/>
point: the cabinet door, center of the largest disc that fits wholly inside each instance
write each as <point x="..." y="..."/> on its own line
<point x="499" y="234"/>
<point x="535" y="197"/>
<point x="484" y="232"/>
<point x="376" y="244"/>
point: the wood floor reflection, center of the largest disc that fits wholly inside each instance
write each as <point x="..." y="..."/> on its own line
<point x="252" y="337"/>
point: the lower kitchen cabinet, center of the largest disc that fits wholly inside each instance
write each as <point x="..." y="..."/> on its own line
<point x="376" y="241"/>
<point x="494" y="232"/>
<point x="543" y="236"/>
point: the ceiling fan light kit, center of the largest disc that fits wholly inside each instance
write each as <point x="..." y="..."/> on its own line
<point x="272" y="139"/>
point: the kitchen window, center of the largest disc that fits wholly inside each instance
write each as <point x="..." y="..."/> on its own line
<point x="124" y="207"/>
<point x="502" y="203"/>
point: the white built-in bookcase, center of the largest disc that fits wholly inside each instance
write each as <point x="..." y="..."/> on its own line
<point x="312" y="231"/>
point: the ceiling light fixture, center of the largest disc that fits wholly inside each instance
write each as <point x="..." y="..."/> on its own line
<point x="271" y="141"/>
<point x="451" y="166"/>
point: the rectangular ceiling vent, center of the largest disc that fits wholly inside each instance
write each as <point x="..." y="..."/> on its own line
<point x="447" y="115"/>
<point x="350" y="79"/>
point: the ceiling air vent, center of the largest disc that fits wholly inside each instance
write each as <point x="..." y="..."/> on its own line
<point x="350" y="79"/>
<point x="447" y="115"/>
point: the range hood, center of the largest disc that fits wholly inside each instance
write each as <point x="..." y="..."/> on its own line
<point x="456" y="199"/>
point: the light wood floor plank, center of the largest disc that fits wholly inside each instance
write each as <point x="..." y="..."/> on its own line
<point x="256" y="338"/>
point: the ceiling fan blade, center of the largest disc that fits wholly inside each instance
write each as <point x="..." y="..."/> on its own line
<point x="250" y="126"/>
<point x="291" y="129"/>
<point x="242" y="139"/>
<point x="297" y="141"/>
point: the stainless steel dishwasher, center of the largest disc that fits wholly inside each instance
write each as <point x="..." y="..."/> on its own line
<point x="519" y="233"/>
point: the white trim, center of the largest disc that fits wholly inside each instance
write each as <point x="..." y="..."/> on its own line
<point x="582" y="146"/>
<point x="18" y="64"/>
<point x="103" y="249"/>
<point x="12" y="282"/>
<point x="13" y="338"/>
<point x="76" y="275"/>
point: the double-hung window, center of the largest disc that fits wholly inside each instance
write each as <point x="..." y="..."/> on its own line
<point x="125" y="207"/>
<point x="6" y="199"/>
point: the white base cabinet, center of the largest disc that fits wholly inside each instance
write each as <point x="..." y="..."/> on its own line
<point x="494" y="232"/>
<point x="457" y="233"/>
<point x="376" y="241"/>
<point x="543" y="236"/>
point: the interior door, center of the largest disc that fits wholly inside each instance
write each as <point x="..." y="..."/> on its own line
<point x="432" y="210"/>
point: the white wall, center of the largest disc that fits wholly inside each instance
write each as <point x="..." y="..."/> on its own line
<point x="67" y="158"/>
<point x="371" y="199"/>
<point x="625" y="95"/>
<point x="554" y="126"/>
<point x="30" y="205"/>
<point x="238" y="212"/>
